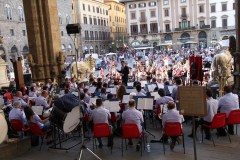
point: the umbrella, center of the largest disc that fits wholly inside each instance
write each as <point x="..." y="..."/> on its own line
<point x="190" y="42"/>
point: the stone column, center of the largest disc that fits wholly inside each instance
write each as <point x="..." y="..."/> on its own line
<point x="42" y="24"/>
<point x="236" y="55"/>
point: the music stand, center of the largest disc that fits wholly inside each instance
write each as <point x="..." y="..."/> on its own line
<point x="136" y="98"/>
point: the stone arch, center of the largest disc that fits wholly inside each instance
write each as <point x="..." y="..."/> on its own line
<point x="202" y="38"/>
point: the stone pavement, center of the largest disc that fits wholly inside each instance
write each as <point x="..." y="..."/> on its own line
<point x="224" y="150"/>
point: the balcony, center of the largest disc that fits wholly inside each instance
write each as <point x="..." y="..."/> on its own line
<point x="205" y="27"/>
<point x="177" y="29"/>
<point x="134" y="33"/>
<point x="168" y="30"/>
<point x="153" y="31"/>
<point x="143" y="32"/>
<point x="184" y="15"/>
<point x="143" y="19"/>
<point x="86" y="38"/>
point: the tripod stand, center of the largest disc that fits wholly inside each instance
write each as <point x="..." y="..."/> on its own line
<point x="83" y="147"/>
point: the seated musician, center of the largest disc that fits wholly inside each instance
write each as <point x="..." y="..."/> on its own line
<point x="132" y="115"/>
<point x="212" y="107"/>
<point x="17" y="113"/>
<point x="20" y="98"/>
<point x="43" y="124"/>
<point x="172" y="116"/>
<point x="33" y="92"/>
<point x="101" y="115"/>
<point x="139" y="91"/>
<point x="43" y="100"/>
<point x="163" y="99"/>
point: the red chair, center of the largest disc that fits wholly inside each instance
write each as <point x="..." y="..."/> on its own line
<point x="18" y="126"/>
<point x="234" y="118"/>
<point x="173" y="129"/>
<point x="101" y="130"/>
<point x="219" y="121"/>
<point x="35" y="129"/>
<point x="131" y="131"/>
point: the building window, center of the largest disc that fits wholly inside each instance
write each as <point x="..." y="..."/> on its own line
<point x="85" y="20"/>
<point x="224" y="7"/>
<point x="24" y="32"/>
<point x="224" y="23"/>
<point x="151" y="4"/>
<point x="83" y="6"/>
<point x="184" y="24"/>
<point x="100" y="10"/>
<point x="67" y="19"/>
<point x="142" y="5"/>
<point x="86" y="35"/>
<point x="201" y="9"/>
<point x="166" y="12"/>
<point x="153" y="27"/>
<point x="184" y="13"/>
<point x="143" y="28"/>
<point x="11" y="32"/>
<point x="90" y="20"/>
<point x="93" y="8"/>
<point x="60" y="18"/>
<point x="134" y="29"/>
<point x="167" y="27"/>
<point x="213" y="8"/>
<point x="153" y="13"/>
<point x="201" y="24"/>
<point x="133" y="15"/>
<point x="89" y="9"/>
<point x="95" y="21"/>
<point x="99" y="22"/>
<point x="131" y="6"/>
<point x="234" y="6"/>
<point x="62" y="33"/>
<point x="182" y="1"/>
<point x="213" y="23"/>
<point x="96" y="35"/>
<point x="106" y="12"/>
<point x="165" y="2"/>
<point x="97" y="10"/>
<point x="8" y="12"/>
<point x="20" y="13"/>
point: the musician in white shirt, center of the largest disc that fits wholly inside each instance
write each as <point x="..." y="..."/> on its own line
<point x="19" y="98"/>
<point x="172" y="116"/>
<point x="17" y="113"/>
<point x="139" y="91"/>
<point x="43" y="100"/>
<point x="101" y="115"/>
<point x="33" y="92"/>
<point x="226" y="104"/>
<point x="162" y="99"/>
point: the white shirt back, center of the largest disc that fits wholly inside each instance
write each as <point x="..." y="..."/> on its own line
<point x="100" y="115"/>
<point x="228" y="102"/>
<point x="212" y="107"/>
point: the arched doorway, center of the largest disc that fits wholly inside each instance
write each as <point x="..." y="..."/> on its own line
<point x="184" y="38"/>
<point x="14" y="49"/>
<point x="25" y="50"/>
<point x="96" y="49"/>
<point x="202" y="38"/>
<point x="168" y="38"/>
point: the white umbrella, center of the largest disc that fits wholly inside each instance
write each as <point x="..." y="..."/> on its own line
<point x="190" y="42"/>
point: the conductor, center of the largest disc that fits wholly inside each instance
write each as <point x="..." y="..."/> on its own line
<point x="124" y="73"/>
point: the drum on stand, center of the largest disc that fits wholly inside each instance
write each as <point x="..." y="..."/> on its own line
<point x="66" y="121"/>
<point x="3" y="127"/>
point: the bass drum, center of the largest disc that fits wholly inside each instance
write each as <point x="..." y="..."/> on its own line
<point x="3" y="127"/>
<point x="65" y="121"/>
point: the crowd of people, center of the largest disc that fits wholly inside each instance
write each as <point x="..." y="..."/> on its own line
<point x="162" y="70"/>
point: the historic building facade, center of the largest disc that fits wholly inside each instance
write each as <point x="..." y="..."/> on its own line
<point x="180" y="23"/>
<point x="118" y="25"/>
<point x="93" y="17"/>
<point x="13" y="27"/>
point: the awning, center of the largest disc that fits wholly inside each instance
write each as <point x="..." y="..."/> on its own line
<point x="190" y="42"/>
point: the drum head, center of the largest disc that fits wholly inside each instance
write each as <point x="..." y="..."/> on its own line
<point x="3" y="128"/>
<point x="72" y="120"/>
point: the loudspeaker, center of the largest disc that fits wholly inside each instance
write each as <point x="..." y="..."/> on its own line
<point x="73" y="28"/>
<point x="27" y="79"/>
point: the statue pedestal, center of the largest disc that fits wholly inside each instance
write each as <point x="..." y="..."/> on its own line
<point x="3" y="75"/>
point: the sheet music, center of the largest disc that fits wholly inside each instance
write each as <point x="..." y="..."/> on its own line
<point x="93" y="101"/>
<point x="61" y="92"/>
<point x="151" y="87"/>
<point x="160" y="85"/>
<point x="143" y="83"/>
<point x="164" y="108"/>
<point x="170" y="88"/>
<point x="131" y="90"/>
<point x="38" y="110"/>
<point x="126" y="99"/>
<point x="75" y="93"/>
<point x="108" y="90"/>
<point x="113" y="90"/>
<point x="130" y="84"/>
<point x="92" y="89"/>
<point x="112" y="106"/>
<point x="155" y="94"/>
<point x="145" y="103"/>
